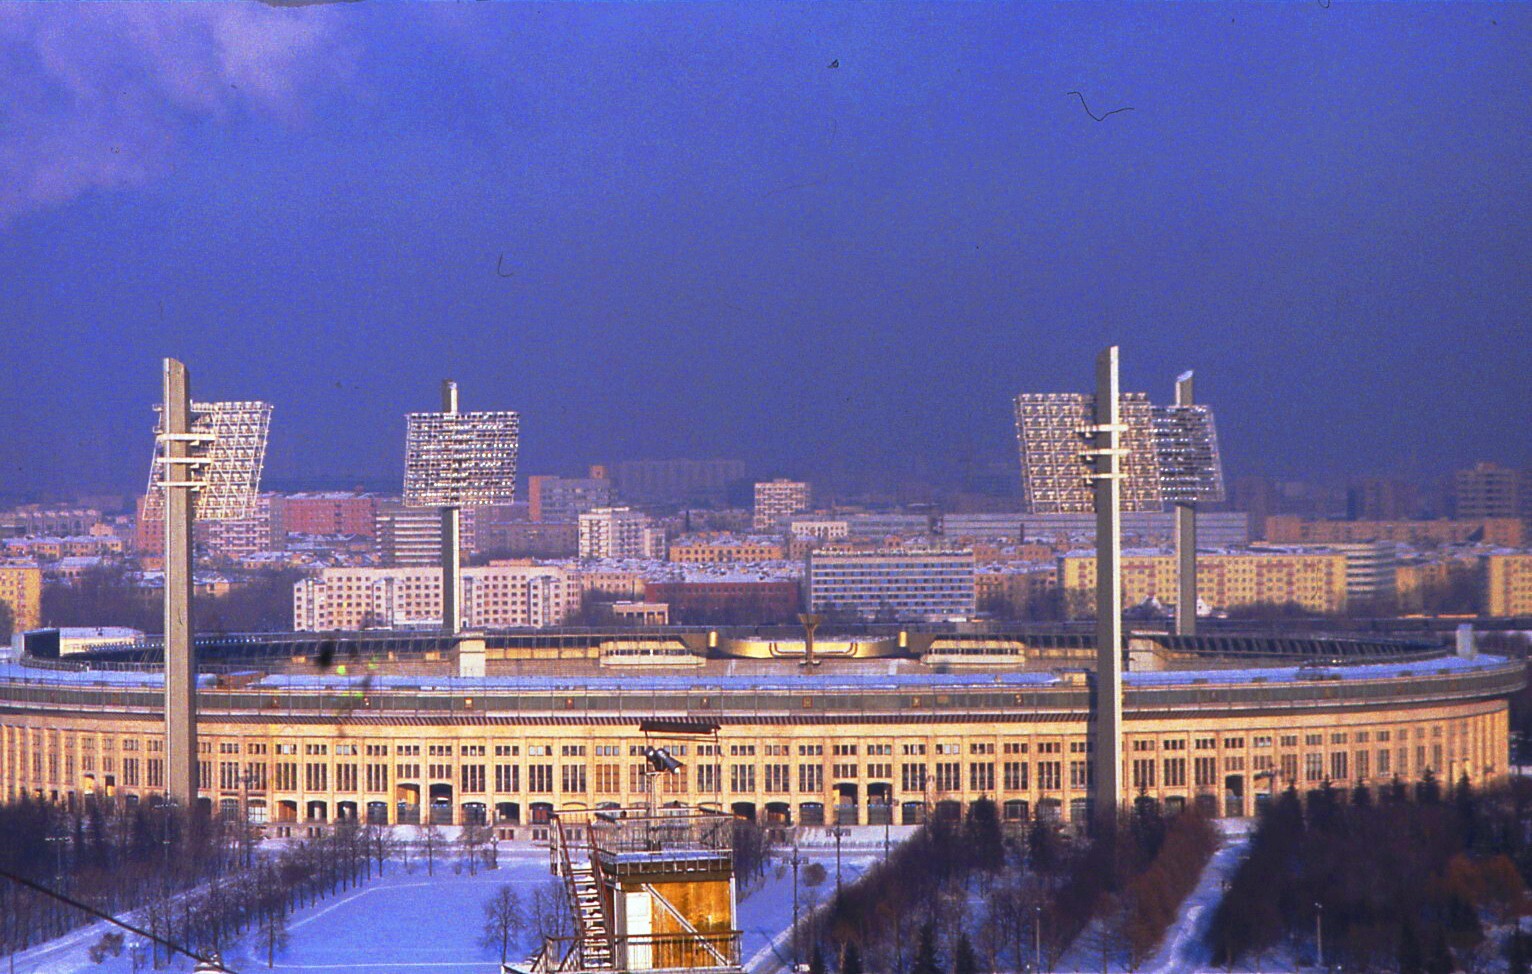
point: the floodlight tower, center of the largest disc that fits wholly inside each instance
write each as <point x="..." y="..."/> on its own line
<point x="452" y="552"/>
<point x="178" y="479"/>
<point x="1107" y="481"/>
<point x="207" y="465"/>
<point x="1186" y="538"/>
<point x="455" y="460"/>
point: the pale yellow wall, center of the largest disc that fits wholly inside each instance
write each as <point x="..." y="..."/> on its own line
<point x="1315" y="581"/>
<point x="46" y="755"/>
<point x="21" y="587"/>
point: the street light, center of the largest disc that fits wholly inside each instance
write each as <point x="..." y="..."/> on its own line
<point x="795" y="861"/>
<point x="1319" y="933"/>
<point x="1037" y="935"/>
<point x="58" y="849"/>
<point x="838" y="831"/>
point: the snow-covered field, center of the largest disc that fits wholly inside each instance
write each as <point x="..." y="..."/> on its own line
<point x="408" y="921"/>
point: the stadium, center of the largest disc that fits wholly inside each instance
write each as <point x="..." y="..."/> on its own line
<point x="866" y="725"/>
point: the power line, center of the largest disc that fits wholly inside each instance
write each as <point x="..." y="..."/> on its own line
<point x="215" y="964"/>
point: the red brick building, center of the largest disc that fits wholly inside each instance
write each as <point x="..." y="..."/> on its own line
<point x="330" y="513"/>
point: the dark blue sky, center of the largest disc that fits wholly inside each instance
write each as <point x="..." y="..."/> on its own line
<point x="718" y="245"/>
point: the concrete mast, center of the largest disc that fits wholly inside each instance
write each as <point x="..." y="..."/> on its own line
<point x="452" y="563"/>
<point x="1107" y="480"/>
<point x="177" y="482"/>
<point x="1186" y="539"/>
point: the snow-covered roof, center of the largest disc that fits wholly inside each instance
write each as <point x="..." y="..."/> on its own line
<point x="789" y="680"/>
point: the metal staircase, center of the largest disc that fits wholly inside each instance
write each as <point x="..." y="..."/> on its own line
<point x="590" y="916"/>
<point x="574" y="861"/>
<point x="609" y="854"/>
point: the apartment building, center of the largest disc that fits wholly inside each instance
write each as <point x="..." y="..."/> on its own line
<point x="493" y="596"/>
<point x="776" y="500"/>
<point x="893" y="585"/>
<point x="1315" y="581"/>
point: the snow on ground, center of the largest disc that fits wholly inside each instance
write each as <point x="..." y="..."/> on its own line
<point x="1184" y="950"/>
<point x="766" y="914"/>
<point x="1185" y="947"/>
<point x="409" y="921"/>
<point x="403" y="921"/>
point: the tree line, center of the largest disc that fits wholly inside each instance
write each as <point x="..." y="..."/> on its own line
<point x="975" y="895"/>
<point x="190" y="877"/>
<point x="1405" y="879"/>
<point x="106" y="595"/>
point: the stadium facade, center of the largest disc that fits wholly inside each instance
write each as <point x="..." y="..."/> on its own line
<point x="889" y="724"/>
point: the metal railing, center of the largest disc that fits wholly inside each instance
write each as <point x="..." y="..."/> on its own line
<point x="682" y="831"/>
<point x="650" y="952"/>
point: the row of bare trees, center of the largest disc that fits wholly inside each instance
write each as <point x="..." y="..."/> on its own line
<point x="189" y="877"/>
<point x="109" y="855"/>
<point x="509" y="921"/>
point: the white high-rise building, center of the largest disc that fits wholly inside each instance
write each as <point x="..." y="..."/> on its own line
<point x="616" y="532"/>
<point x="493" y="596"/>
<point x="778" y="499"/>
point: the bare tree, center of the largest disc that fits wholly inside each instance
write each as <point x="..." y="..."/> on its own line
<point x="380" y="844"/>
<point x="272" y="932"/>
<point x="549" y="913"/>
<point x="431" y="837"/>
<point x="473" y="839"/>
<point x="503" y="920"/>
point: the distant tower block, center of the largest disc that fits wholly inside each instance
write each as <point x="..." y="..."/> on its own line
<point x="778" y="499"/>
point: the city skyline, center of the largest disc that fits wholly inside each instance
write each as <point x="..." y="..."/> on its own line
<point x="688" y="247"/>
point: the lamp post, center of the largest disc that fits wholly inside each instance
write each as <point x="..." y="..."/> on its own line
<point x="795" y="861"/>
<point x="1319" y="933"/>
<point x="1037" y="935"/>
<point x="838" y="831"/>
<point x="57" y="841"/>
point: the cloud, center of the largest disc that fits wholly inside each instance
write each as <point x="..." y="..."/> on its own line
<point x="96" y="98"/>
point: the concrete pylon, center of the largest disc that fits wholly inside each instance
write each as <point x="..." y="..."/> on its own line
<point x="1186" y="539"/>
<point x="452" y="558"/>
<point x="1107" y="479"/>
<point x="176" y="480"/>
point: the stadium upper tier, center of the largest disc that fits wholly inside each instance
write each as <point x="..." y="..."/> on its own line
<point x="876" y="724"/>
<point x="934" y="644"/>
<point x="936" y="673"/>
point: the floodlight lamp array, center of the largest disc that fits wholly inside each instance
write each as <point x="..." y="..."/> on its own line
<point x="226" y="452"/>
<point x="1053" y="432"/>
<point x="460" y="459"/>
<point x="1186" y="441"/>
